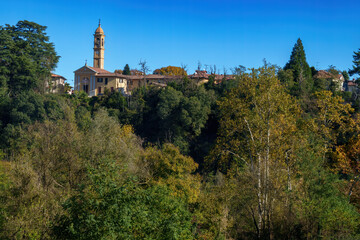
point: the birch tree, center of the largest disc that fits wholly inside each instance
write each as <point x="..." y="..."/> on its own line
<point x="258" y="136"/>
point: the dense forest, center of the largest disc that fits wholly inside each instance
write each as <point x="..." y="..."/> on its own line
<point x="272" y="154"/>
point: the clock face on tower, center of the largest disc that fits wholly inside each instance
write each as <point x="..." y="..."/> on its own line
<point x="97" y="52"/>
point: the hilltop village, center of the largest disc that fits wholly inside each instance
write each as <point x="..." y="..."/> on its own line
<point x="95" y="80"/>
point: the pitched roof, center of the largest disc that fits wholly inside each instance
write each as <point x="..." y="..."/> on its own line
<point x="351" y="83"/>
<point x="323" y="74"/>
<point x="57" y="76"/>
<point x="200" y="74"/>
<point x="110" y="74"/>
<point x="99" y="70"/>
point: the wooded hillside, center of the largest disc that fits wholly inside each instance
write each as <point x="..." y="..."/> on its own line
<point x="272" y="154"/>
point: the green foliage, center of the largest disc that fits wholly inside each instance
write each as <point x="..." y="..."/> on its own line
<point x="112" y="210"/>
<point x="126" y="70"/>
<point x="4" y="186"/>
<point x="27" y="57"/>
<point x="176" y="115"/>
<point x="324" y="211"/>
<point x="356" y="67"/>
<point x="346" y="75"/>
<point x="83" y="118"/>
<point x="302" y="80"/>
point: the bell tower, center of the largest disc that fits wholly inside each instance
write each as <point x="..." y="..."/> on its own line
<point x="99" y="41"/>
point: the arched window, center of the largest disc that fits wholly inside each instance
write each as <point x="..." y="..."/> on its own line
<point x="98" y="42"/>
<point x="102" y="42"/>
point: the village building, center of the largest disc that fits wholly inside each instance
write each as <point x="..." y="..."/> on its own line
<point x="351" y="86"/>
<point x="96" y="80"/>
<point x="337" y="79"/>
<point x="55" y="84"/>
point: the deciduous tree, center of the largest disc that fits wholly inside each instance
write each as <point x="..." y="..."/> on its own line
<point x="258" y="134"/>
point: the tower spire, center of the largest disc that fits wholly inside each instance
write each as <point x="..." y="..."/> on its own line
<point x="99" y="22"/>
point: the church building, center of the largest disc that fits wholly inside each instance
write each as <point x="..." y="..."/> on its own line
<point x="95" y="80"/>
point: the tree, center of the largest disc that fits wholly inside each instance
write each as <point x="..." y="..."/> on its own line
<point x="27" y="56"/>
<point x="111" y="209"/>
<point x="348" y="164"/>
<point x="167" y="166"/>
<point x="322" y="209"/>
<point x="301" y="70"/>
<point x="257" y="136"/>
<point x="144" y="68"/>
<point x="126" y="70"/>
<point x="332" y="119"/>
<point x="356" y="67"/>
<point x="171" y="71"/>
<point x="346" y="75"/>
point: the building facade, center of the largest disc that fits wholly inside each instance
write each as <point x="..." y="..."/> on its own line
<point x="55" y="84"/>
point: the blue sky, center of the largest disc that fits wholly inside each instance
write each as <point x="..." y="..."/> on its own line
<point x="225" y="33"/>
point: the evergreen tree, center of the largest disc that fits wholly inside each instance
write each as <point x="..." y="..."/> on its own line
<point x="356" y="66"/>
<point x="126" y="70"/>
<point x="27" y="57"/>
<point x="346" y="75"/>
<point x="301" y="70"/>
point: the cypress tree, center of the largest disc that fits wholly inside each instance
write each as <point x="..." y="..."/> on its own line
<point x="301" y="71"/>
<point x="126" y="70"/>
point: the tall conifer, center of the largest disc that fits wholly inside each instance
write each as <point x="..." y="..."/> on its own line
<point x="301" y="70"/>
<point x="126" y="70"/>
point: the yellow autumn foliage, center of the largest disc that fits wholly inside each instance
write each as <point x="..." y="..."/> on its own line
<point x="171" y="71"/>
<point x="167" y="166"/>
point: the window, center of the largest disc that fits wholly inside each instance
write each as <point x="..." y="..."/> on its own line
<point x="99" y="80"/>
<point x="112" y="89"/>
<point x="106" y="81"/>
<point x="99" y="90"/>
<point x="120" y="81"/>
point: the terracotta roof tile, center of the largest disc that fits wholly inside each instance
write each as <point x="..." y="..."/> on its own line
<point x="110" y="74"/>
<point x="58" y="76"/>
<point x="351" y="83"/>
<point x="99" y="70"/>
<point x="323" y="74"/>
